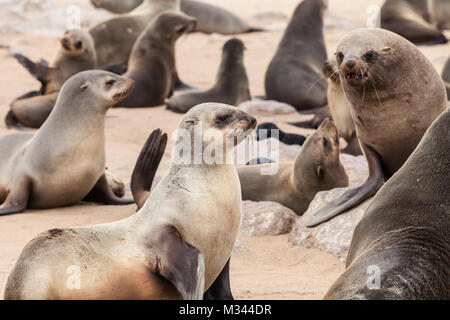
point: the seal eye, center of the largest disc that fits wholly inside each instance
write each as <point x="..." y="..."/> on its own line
<point x="223" y="117"/>
<point x="110" y="83"/>
<point x="325" y="143"/>
<point x="369" y="55"/>
<point x="340" y="57"/>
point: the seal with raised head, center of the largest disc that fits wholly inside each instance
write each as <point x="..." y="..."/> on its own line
<point x="152" y="62"/>
<point x="392" y="106"/>
<point x="294" y="75"/>
<point x="76" y="54"/>
<point x="316" y="168"/>
<point x="231" y="85"/>
<point x="404" y="235"/>
<point x="174" y="247"/>
<point x="64" y="162"/>
<point x="408" y="19"/>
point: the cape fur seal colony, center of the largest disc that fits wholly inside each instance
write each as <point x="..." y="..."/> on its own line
<point x="76" y="54"/>
<point x="152" y="61"/>
<point x="174" y="247"/>
<point x="64" y="162"/>
<point x="392" y="106"/>
<point x="294" y="75"/>
<point x="316" y="168"/>
<point x="231" y="85"/>
<point x="404" y="235"/>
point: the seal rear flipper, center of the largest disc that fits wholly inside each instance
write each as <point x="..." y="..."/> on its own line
<point x="103" y="193"/>
<point x="17" y="200"/>
<point x="353" y="196"/>
<point x="180" y="263"/>
<point x="11" y="121"/>
<point x="146" y="166"/>
<point x="220" y="289"/>
<point x="37" y="70"/>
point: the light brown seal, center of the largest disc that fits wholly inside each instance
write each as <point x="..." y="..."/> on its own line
<point x="294" y="75"/>
<point x="404" y="236"/>
<point x="152" y="61"/>
<point x="316" y="168"/>
<point x="64" y="162"/>
<point x="174" y="247"/>
<point x="76" y="54"/>
<point x="231" y="85"/>
<point x="392" y="106"/>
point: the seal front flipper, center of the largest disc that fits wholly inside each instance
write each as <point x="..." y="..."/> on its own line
<point x="17" y="199"/>
<point x="180" y="263"/>
<point x="103" y="193"/>
<point x="146" y="166"/>
<point x="37" y="70"/>
<point x="353" y="196"/>
<point x="220" y="289"/>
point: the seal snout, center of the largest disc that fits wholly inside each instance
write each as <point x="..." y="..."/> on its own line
<point x="354" y="71"/>
<point x="125" y="87"/>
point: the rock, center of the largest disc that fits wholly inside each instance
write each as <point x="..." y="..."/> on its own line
<point x="265" y="219"/>
<point x="356" y="168"/>
<point x="266" y="107"/>
<point x="333" y="236"/>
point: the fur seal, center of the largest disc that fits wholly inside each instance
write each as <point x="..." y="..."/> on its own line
<point x="408" y="19"/>
<point x="341" y="109"/>
<point x="405" y="232"/>
<point x="392" y="106"/>
<point x="294" y="75"/>
<point x="174" y="247"/>
<point x="117" y="6"/>
<point x="231" y="85"/>
<point x="64" y="162"/>
<point x="114" y="38"/>
<point x="76" y="54"/>
<point x="446" y="77"/>
<point x="442" y="13"/>
<point x="316" y="168"/>
<point x="286" y="138"/>
<point x="152" y="61"/>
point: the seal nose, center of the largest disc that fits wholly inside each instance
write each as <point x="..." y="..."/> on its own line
<point x="350" y="63"/>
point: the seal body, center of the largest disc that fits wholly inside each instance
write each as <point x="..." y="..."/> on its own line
<point x="446" y="77"/>
<point x="152" y="62"/>
<point x="405" y="232"/>
<point x="316" y="168"/>
<point x="231" y="85"/>
<point x="174" y="247"/>
<point x="392" y="107"/>
<point x="76" y="54"/>
<point x="294" y="75"/>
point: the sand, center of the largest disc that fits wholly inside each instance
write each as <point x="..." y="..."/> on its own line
<point x="270" y="268"/>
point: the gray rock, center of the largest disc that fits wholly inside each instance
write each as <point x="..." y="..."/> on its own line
<point x="356" y="168"/>
<point x="266" y="219"/>
<point x="266" y="107"/>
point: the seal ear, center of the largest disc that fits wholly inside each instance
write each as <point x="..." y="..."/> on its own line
<point x="319" y="171"/>
<point x="85" y="85"/>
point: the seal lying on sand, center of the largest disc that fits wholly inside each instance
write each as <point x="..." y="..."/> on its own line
<point x="76" y="54"/>
<point x="64" y="162"/>
<point x="316" y="168"/>
<point x="294" y="75"/>
<point x="395" y="94"/>
<point x="174" y="247"/>
<point x="404" y="236"/>
<point x="231" y="85"/>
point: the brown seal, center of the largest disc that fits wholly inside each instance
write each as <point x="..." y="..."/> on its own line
<point x="392" y="105"/>
<point x="76" y="54"/>
<point x="294" y="75"/>
<point x="174" y="247"/>
<point x="231" y="85"/>
<point x="408" y="19"/>
<point x="446" y="77"/>
<point x="316" y="168"/>
<point x="152" y="62"/>
<point x="64" y="162"/>
<point x="404" y="236"/>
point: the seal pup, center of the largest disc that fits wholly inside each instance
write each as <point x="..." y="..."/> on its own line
<point x="405" y="232"/>
<point x="391" y="105"/>
<point x="406" y="18"/>
<point x="114" y="38"/>
<point x="316" y="168"/>
<point x="446" y="77"/>
<point x="64" y="162"/>
<point x="294" y="75"/>
<point x="152" y="61"/>
<point x="174" y="247"/>
<point x="264" y="131"/>
<point x="76" y="54"/>
<point x="231" y="85"/>
<point x="341" y="109"/>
